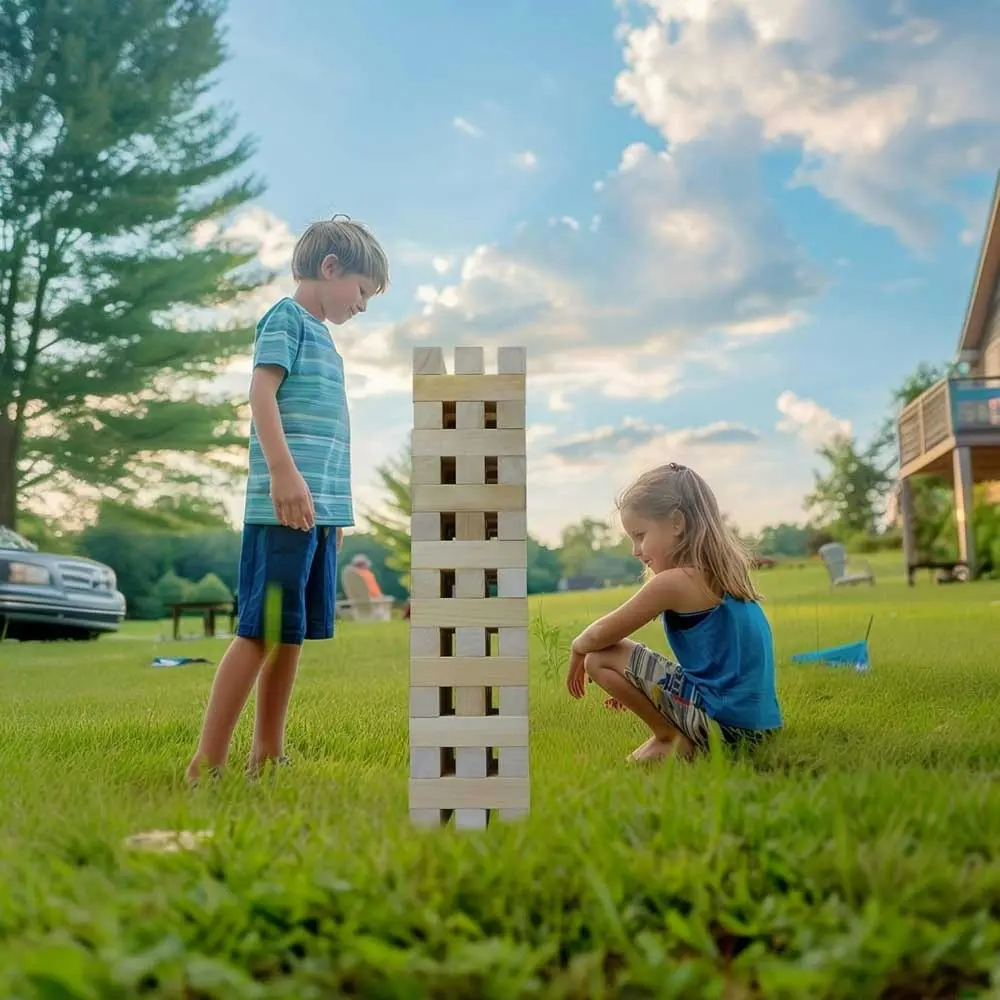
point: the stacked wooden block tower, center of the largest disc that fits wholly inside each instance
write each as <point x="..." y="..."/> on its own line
<point x="468" y="590"/>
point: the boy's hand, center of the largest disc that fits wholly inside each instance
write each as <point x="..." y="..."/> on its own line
<point x="292" y="500"/>
<point x="576" y="676"/>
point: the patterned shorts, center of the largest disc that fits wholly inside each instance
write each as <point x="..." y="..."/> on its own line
<point x="676" y="698"/>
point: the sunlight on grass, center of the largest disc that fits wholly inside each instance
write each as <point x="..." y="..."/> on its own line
<point x="855" y="858"/>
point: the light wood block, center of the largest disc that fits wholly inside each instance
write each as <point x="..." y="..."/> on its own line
<point x="430" y="497"/>
<point x="513" y="701"/>
<point x="470" y="641"/>
<point x="470" y="470"/>
<point x="470" y="361"/>
<point x="456" y="671"/>
<point x="470" y="583"/>
<point x="513" y="525"/>
<point x="425" y="583"/>
<point x="510" y="414"/>
<point x="513" y="762"/>
<point x="428" y="361"/>
<point x="472" y="819"/>
<point x="469" y="731"/>
<point x="425" y="470"/>
<point x="427" y="817"/>
<point x="507" y="614"/>
<point x="425" y="642"/>
<point x="425" y="528"/>
<point x="425" y="703"/>
<point x="425" y="762"/>
<point x="459" y="555"/>
<point x="438" y="388"/>
<point x="470" y="762"/>
<point x="514" y="642"/>
<point x="470" y="526"/>
<point x="511" y="583"/>
<point x="470" y="793"/>
<point x="512" y="470"/>
<point x="468" y="442"/>
<point x="470" y="416"/>
<point x="511" y="360"/>
<point x="470" y="701"/>
<point x="428" y="416"/>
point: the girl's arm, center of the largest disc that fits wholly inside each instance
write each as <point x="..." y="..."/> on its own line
<point x="663" y="592"/>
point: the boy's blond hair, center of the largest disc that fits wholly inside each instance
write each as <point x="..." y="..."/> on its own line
<point x="708" y="544"/>
<point x="350" y="242"/>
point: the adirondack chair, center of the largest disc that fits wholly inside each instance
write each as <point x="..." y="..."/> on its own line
<point x="360" y="605"/>
<point x="834" y="557"/>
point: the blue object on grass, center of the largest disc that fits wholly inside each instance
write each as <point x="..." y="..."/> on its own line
<point x="851" y="654"/>
<point x="177" y="661"/>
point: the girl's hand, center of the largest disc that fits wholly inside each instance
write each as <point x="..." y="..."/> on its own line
<point x="576" y="676"/>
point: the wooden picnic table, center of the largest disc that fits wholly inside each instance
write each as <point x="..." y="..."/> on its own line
<point x="209" y="612"/>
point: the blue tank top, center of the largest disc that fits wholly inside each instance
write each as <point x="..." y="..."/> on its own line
<point x="728" y="654"/>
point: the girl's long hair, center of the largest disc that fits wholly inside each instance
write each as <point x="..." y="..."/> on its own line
<point x="707" y="544"/>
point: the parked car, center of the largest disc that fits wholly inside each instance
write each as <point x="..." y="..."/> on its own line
<point x="49" y="596"/>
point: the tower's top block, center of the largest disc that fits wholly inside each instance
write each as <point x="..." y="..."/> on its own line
<point x="469" y="361"/>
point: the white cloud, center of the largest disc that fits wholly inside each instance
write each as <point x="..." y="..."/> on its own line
<point x="808" y="421"/>
<point x="441" y="264"/>
<point x="889" y="106"/>
<point x="526" y="160"/>
<point x="465" y="126"/>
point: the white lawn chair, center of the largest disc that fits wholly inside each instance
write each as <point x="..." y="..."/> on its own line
<point x="360" y="605"/>
<point x="834" y="557"/>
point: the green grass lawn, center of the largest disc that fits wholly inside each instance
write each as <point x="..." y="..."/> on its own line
<point x="857" y="857"/>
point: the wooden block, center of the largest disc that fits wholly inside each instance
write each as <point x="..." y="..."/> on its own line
<point x="428" y="361"/>
<point x="513" y="642"/>
<point x="513" y="525"/>
<point x="425" y="642"/>
<point x="425" y="703"/>
<point x="428" y="416"/>
<point x="458" y="671"/>
<point x="513" y="815"/>
<point x="485" y="612"/>
<point x="470" y="470"/>
<point x="512" y="360"/>
<point x="513" y="701"/>
<point x="470" y="526"/>
<point x="472" y="819"/>
<point x="470" y="361"/>
<point x="469" y="731"/>
<point x="470" y="416"/>
<point x="425" y="817"/>
<point x="469" y="641"/>
<point x="510" y="414"/>
<point x="512" y="469"/>
<point x="513" y="762"/>
<point x="470" y="583"/>
<point x="470" y="762"/>
<point x="425" y="528"/>
<point x="425" y="583"/>
<point x="428" y="497"/>
<point x="458" y="555"/>
<point x="469" y="793"/>
<point x="468" y="388"/>
<point x="511" y="583"/>
<point x="425" y="470"/>
<point x="425" y="762"/>
<point x="468" y="442"/>
<point x="470" y="701"/>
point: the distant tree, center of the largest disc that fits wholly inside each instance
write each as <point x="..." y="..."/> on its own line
<point x="210" y="590"/>
<point x="783" y="540"/>
<point x="544" y="570"/>
<point x="390" y="525"/>
<point x="580" y="542"/>
<point x="112" y="162"/>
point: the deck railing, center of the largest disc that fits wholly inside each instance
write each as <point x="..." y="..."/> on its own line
<point x="953" y="406"/>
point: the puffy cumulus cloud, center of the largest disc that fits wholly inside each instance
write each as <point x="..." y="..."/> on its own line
<point x="686" y="251"/>
<point x="888" y="101"/>
<point x="631" y="435"/>
<point x="808" y="421"/>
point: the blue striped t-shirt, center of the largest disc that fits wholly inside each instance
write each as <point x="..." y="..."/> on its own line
<point x="312" y="402"/>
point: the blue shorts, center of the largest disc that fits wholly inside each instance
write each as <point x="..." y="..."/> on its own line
<point x="298" y="569"/>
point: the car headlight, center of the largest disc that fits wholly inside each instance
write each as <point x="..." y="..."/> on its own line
<point x="28" y="573"/>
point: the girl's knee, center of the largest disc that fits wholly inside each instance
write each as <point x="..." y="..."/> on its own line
<point x="615" y="658"/>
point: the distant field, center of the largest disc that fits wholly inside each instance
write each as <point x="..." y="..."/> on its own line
<point x="857" y="858"/>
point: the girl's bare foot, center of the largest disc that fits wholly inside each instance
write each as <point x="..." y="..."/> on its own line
<point x="653" y="749"/>
<point x="614" y="704"/>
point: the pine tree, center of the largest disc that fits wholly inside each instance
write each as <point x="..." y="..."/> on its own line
<point x="111" y="162"/>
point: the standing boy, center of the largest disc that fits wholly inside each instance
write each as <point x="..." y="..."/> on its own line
<point x="299" y="489"/>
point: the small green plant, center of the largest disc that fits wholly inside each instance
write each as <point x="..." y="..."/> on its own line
<point x="555" y="645"/>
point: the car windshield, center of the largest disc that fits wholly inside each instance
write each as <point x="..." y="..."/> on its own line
<point x="12" y="540"/>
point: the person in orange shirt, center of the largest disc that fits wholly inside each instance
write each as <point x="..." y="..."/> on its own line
<point x="362" y="564"/>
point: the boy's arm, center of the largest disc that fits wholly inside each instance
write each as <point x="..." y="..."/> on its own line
<point x="653" y="598"/>
<point x="290" y="495"/>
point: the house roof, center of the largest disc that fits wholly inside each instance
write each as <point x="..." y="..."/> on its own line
<point x="978" y="311"/>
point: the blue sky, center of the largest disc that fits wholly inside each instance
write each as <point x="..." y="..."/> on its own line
<point x="723" y="229"/>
